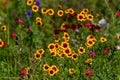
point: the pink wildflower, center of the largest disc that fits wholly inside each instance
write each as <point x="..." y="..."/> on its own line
<point x="23" y="72"/>
<point x="89" y="72"/>
<point x="13" y="34"/>
<point x="92" y="54"/>
<point x="88" y="24"/>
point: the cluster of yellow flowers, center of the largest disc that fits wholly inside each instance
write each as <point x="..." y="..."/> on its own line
<point x="52" y="70"/>
<point x="39" y="54"/>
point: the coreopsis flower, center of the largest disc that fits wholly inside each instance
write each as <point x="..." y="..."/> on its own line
<point x="85" y="11"/>
<point x="67" y="51"/>
<point x="40" y="51"/>
<point x="35" y="8"/>
<point x="70" y="11"/>
<point x="89" y="61"/>
<point x="80" y="17"/>
<point x="50" y="12"/>
<point x="64" y="45"/>
<point x="46" y="67"/>
<point x="90" y="17"/>
<point x="81" y="50"/>
<point x="51" y="46"/>
<point x="54" y="67"/>
<point x="71" y="71"/>
<point x="74" y="56"/>
<point x="4" y="28"/>
<point x="37" y="56"/>
<point x="103" y="39"/>
<point x="4" y="45"/>
<point x="1" y="43"/>
<point x="60" y="13"/>
<point x="44" y="11"/>
<point x="30" y="2"/>
<point x="89" y="72"/>
<point x="57" y="39"/>
<point x="51" y="72"/>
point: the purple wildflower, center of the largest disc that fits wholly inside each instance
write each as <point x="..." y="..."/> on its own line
<point x="92" y="54"/>
<point x="29" y="13"/>
<point x="38" y="3"/>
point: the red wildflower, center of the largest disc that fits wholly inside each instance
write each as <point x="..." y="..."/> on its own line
<point x="23" y="72"/>
<point x="88" y="24"/>
<point x="89" y="72"/>
<point x="6" y="2"/>
<point x="117" y="14"/>
<point x="13" y="34"/>
<point x="29" y="29"/>
<point x="4" y="45"/>
<point x="106" y="50"/>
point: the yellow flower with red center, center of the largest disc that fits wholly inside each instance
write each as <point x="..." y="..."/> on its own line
<point x="1" y="43"/>
<point x="37" y="56"/>
<point x="64" y="45"/>
<point x="38" y="19"/>
<point x="44" y="11"/>
<point x="90" y="17"/>
<point x="53" y="53"/>
<point x="62" y="55"/>
<point x="30" y="2"/>
<point x="60" y="13"/>
<point x="66" y="36"/>
<point x="66" y="11"/>
<point x="27" y="70"/>
<point x="81" y="50"/>
<point x="70" y="10"/>
<point x="90" y="42"/>
<point x="103" y="39"/>
<point x="80" y="17"/>
<point x="41" y="51"/>
<point x="40" y="23"/>
<point x="51" y="72"/>
<point x="85" y="11"/>
<point x="57" y="39"/>
<point x="3" y="28"/>
<point x="89" y="61"/>
<point x="46" y="67"/>
<point x="67" y="51"/>
<point x="51" y="46"/>
<point x="74" y="56"/>
<point x="50" y="12"/>
<point x="54" y="67"/>
<point x="35" y="8"/>
<point x="71" y="71"/>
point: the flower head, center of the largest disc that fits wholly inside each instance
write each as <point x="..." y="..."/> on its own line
<point x="89" y="72"/>
<point x="23" y="72"/>
<point x="35" y="8"/>
<point x="71" y="71"/>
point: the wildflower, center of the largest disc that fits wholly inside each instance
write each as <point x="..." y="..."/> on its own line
<point x="40" y="23"/>
<point x="51" y="72"/>
<point x="67" y="51"/>
<point x="102" y="39"/>
<point x="89" y="72"/>
<point x="1" y="43"/>
<point x="57" y="39"/>
<point x="6" y="2"/>
<point x="53" y="53"/>
<point x="35" y="8"/>
<point x="50" y="12"/>
<point x="29" y="13"/>
<point x="56" y="31"/>
<point x="29" y="29"/>
<point x="81" y="50"/>
<point x="38" y="19"/>
<point x="106" y="50"/>
<point x="20" y="21"/>
<point x="43" y="11"/>
<point x="89" y="61"/>
<point x="66" y="36"/>
<point x="60" y="13"/>
<point x="103" y="22"/>
<point x="90" y="42"/>
<point x="92" y="54"/>
<point x="51" y="47"/>
<point x="4" y="45"/>
<point x="53" y="67"/>
<point x="74" y="56"/>
<point x="46" y="67"/>
<point x="80" y="17"/>
<point x="37" y="56"/>
<point x="73" y="27"/>
<point x="38" y="3"/>
<point x="87" y="24"/>
<point x="23" y="72"/>
<point x="3" y="27"/>
<point x="27" y="70"/>
<point x="118" y="47"/>
<point x="64" y="45"/>
<point x="13" y="34"/>
<point x="40" y="51"/>
<point x="90" y="17"/>
<point x="71" y="71"/>
<point x="70" y="10"/>
<point x="117" y="14"/>
<point x="30" y="2"/>
<point x="85" y="11"/>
